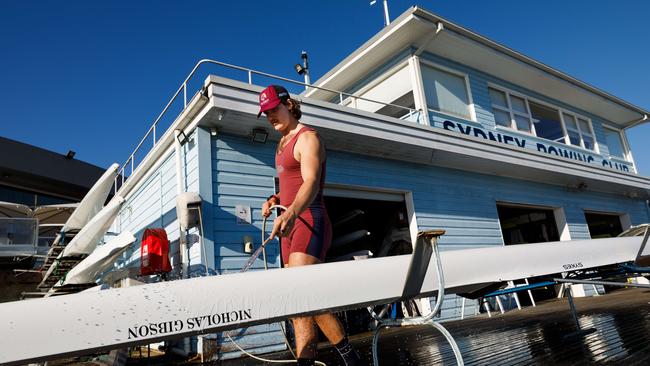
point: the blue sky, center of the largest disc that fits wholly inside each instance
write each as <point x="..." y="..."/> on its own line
<point x="91" y="76"/>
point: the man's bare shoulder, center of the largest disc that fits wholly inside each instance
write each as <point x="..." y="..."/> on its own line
<point x="308" y="138"/>
<point x="309" y="143"/>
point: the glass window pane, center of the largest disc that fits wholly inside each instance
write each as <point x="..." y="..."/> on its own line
<point x="502" y="118"/>
<point x="584" y="127"/>
<point x="614" y="143"/>
<point x="523" y="123"/>
<point x="569" y="122"/>
<point x="498" y="98"/>
<point x="445" y="92"/>
<point x="574" y="137"/>
<point x="587" y="136"/>
<point x="589" y="141"/>
<point x="547" y="122"/>
<point x="518" y="104"/>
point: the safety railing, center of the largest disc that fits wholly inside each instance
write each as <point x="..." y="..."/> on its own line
<point x="151" y="133"/>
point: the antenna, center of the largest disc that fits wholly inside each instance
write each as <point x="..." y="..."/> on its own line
<point x="386" y="16"/>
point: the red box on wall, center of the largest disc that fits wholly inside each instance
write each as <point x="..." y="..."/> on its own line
<point x="154" y="252"/>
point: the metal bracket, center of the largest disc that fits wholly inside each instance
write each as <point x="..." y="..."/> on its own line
<point x="643" y="244"/>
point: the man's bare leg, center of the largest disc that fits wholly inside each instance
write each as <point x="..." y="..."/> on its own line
<point x="331" y="327"/>
<point x="306" y="337"/>
<point x="305" y="327"/>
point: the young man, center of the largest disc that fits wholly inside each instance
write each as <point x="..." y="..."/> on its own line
<point x="304" y="227"/>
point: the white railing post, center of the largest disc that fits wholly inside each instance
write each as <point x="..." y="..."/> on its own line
<point x="154" y="134"/>
<point x="184" y="95"/>
<point x="250" y="77"/>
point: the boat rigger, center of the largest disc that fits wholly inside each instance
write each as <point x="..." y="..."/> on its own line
<point x="95" y="321"/>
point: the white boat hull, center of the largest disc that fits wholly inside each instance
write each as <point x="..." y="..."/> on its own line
<point x="85" y="322"/>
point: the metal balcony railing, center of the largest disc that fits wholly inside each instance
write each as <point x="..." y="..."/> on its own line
<point x="410" y="114"/>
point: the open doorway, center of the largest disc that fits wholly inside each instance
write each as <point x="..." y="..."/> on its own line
<point x="367" y="224"/>
<point x="526" y="224"/>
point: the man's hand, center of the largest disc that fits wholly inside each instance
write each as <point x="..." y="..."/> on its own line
<point x="266" y="208"/>
<point x="283" y="224"/>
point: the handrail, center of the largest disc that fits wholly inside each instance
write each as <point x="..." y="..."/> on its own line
<point x="250" y="73"/>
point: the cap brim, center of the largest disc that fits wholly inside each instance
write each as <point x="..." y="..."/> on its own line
<point x="270" y="105"/>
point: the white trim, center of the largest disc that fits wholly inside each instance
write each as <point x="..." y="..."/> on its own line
<point x="410" y="212"/>
<point x="562" y="224"/>
<point x="628" y="151"/>
<point x="418" y="89"/>
<point x="626" y="222"/>
<point x="470" y="101"/>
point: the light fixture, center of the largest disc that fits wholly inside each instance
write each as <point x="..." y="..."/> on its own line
<point x="259" y="135"/>
<point x="181" y="137"/>
<point x="70" y="155"/>
<point x="299" y="69"/>
<point x="303" y="69"/>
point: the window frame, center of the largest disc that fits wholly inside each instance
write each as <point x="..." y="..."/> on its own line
<point x="533" y="132"/>
<point x="626" y="147"/>
<point x="465" y="76"/>
<point x="577" y="118"/>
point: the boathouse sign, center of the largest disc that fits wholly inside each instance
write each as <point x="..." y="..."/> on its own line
<point x="524" y="143"/>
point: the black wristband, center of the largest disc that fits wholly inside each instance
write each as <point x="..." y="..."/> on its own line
<point x="273" y="196"/>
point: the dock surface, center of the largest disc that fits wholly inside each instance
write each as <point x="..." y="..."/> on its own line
<point x="539" y="335"/>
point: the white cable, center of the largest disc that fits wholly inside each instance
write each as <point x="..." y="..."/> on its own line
<point x="265" y="359"/>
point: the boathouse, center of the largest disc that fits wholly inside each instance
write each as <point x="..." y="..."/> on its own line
<point x="428" y="125"/>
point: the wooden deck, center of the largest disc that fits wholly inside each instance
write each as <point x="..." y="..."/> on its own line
<point x="533" y="336"/>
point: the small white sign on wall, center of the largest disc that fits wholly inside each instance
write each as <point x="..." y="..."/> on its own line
<point x="243" y="213"/>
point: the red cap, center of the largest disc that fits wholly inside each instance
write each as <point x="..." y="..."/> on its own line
<point x="271" y="97"/>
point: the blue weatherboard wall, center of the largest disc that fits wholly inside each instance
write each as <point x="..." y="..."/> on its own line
<point x="462" y="203"/>
<point x="242" y="173"/>
<point x="153" y="204"/>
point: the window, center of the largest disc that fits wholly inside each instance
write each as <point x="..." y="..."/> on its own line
<point x="405" y="100"/>
<point x="547" y="122"/>
<point x="394" y="87"/>
<point x="446" y="92"/>
<point x="524" y="224"/>
<point x="509" y="109"/>
<point x="579" y="133"/>
<point x="522" y="114"/>
<point x="615" y="143"/>
<point x="603" y="225"/>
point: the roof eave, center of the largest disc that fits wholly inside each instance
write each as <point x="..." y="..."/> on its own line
<point x="434" y="19"/>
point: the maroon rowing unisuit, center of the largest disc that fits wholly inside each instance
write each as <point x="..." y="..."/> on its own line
<point x="312" y="232"/>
